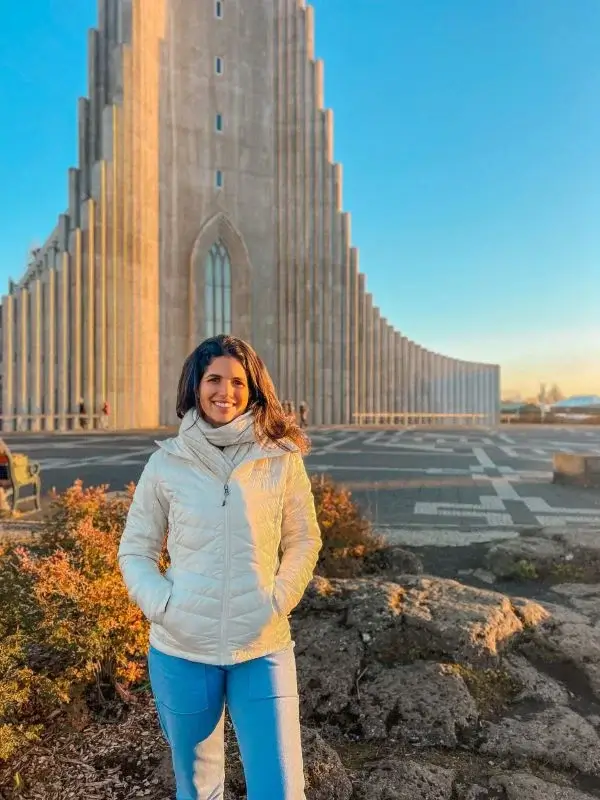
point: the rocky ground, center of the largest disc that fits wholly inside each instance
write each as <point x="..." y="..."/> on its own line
<point x="413" y="687"/>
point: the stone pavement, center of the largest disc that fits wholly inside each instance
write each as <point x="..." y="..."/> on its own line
<point x="461" y="486"/>
<point x="464" y="485"/>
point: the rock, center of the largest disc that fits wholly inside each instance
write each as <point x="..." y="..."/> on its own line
<point x="556" y="736"/>
<point x="525" y="557"/>
<point x="570" y="638"/>
<point x="328" y="658"/>
<point x="584" y="597"/>
<point x="550" y="554"/>
<point x="484" y="576"/>
<point x="420" y="617"/>
<point x="396" y="561"/>
<point x="406" y="780"/>
<point x="326" y="778"/>
<point x="440" y="619"/>
<point x="536" y="685"/>
<point x="422" y="703"/>
<point x="524" y="786"/>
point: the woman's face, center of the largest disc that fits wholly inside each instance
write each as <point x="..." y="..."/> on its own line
<point x="223" y="391"/>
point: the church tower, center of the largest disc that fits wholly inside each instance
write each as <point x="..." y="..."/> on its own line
<point x="206" y="199"/>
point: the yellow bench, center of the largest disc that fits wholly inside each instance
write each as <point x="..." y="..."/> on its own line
<point x="17" y="472"/>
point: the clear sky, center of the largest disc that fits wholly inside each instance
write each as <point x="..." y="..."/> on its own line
<point x="469" y="132"/>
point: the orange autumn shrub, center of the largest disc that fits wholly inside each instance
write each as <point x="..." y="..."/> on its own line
<point x="66" y="623"/>
<point x="348" y="537"/>
<point x="86" y="614"/>
<point x="25" y="694"/>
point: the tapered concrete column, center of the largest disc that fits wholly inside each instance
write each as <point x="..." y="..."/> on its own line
<point x="444" y="402"/>
<point x="411" y="351"/>
<point x="462" y="371"/>
<point x="385" y="366"/>
<point x="88" y="286"/>
<point x="404" y="375"/>
<point x="75" y="355"/>
<point x="423" y="380"/>
<point x="22" y="360"/>
<point x="328" y="267"/>
<point x="361" y="365"/>
<point x="352" y="348"/>
<point x="35" y="363"/>
<point x="438" y="404"/>
<point x="49" y="349"/>
<point x="397" y="408"/>
<point x="426" y="381"/>
<point x="418" y="378"/>
<point x="496" y="383"/>
<point x="370" y="347"/>
<point x="100" y="295"/>
<point x="392" y="379"/>
<point x="482" y="394"/>
<point x="63" y="314"/>
<point x="377" y="360"/>
<point x="112" y="274"/>
<point x="8" y="362"/>
<point x="455" y="387"/>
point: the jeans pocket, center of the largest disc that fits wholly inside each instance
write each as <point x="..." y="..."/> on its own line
<point x="177" y="684"/>
<point x="273" y="675"/>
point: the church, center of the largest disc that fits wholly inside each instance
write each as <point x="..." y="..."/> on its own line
<point x="207" y="199"/>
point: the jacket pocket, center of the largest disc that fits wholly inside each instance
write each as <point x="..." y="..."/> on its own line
<point x="160" y="615"/>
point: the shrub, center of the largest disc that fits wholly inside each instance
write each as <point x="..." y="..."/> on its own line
<point x="66" y="622"/>
<point x="348" y="538"/>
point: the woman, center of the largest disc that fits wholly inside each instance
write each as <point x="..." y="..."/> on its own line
<point x="243" y="541"/>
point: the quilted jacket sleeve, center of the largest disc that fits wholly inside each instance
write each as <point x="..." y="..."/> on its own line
<point x="142" y="542"/>
<point x="300" y="538"/>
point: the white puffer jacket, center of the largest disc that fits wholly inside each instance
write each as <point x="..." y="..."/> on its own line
<point x="242" y="551"/>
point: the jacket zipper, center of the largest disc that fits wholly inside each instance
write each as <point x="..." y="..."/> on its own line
<point x="226" y="571"/>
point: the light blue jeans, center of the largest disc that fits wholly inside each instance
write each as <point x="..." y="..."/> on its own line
<point x="262" y="698"/>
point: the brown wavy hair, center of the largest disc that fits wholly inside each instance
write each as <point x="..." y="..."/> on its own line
<point x="270" y="421"/>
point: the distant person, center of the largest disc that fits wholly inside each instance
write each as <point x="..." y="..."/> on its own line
<point x="303" y="408"/>
<point x="83" y="419"/>
<point x="105" y="415"/>
<point x="233" y="493"/>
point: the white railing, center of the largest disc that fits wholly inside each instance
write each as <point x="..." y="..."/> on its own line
<point x="35" y="423"/>
<point x="408" y="418"/>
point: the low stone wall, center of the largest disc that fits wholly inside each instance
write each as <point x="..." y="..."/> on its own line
<point x="576" y="469"/>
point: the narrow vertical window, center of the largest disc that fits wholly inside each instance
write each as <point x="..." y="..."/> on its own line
<point x="219" y="65"/>
<point x="219" y="123"/>
<point x="219" y="179"/>
<point x="217" y="291"/>
<point x="219" y="9"/>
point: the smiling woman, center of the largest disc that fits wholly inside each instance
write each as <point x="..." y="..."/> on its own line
<point x="243" y="541"/>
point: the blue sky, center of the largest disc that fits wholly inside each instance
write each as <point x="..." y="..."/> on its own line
<point x="470" y="138"/>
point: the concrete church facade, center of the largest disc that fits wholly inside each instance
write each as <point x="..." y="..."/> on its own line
<point x="207" y="199"/>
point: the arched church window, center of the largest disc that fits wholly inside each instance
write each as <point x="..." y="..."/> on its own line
<point x="217" y="290"/>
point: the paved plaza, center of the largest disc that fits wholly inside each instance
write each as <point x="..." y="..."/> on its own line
<point x="421" y="486"/>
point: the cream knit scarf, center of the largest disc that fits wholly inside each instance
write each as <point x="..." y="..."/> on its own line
<point x="204" y="442"/>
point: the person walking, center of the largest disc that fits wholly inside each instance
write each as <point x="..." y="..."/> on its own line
<point x="243" y="541"/>
<point x="105" y="415"/>
<point x="303" y="409"/>
<point x="83" y="418"/>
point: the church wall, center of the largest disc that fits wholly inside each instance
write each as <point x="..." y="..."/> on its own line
<point x="115" y="300"/>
